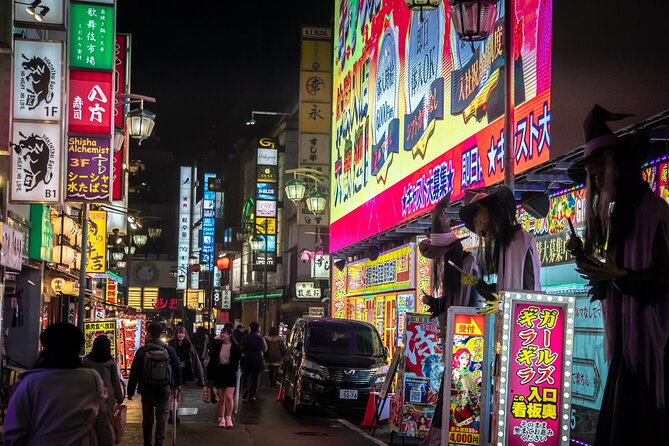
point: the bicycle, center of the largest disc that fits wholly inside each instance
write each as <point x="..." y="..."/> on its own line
<point x="10" y="371"/>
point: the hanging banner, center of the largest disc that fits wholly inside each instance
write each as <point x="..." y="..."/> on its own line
<point x="12" y="247"/>
<point x="421" y="373"/>
<point x="121" y="74"/>
<point x="93" y="329"/>
<point x="36" y="163"/>
<point x="536" y="372"/>
<point x="467" y="377"/>
<point x="92" y="36"/>
<point x="89" y="167"/>
<point x="91" y="102"/>
<point x="111" y="293"/>
<point x="97" y="242"/>
<point x="41" y="233"/>
<point x="38" y="80"/>
<point x="184" y="226"/>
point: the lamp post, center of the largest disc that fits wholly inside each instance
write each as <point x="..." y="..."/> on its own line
<point x="260" y="244"/>
<point x="316" y="199"/>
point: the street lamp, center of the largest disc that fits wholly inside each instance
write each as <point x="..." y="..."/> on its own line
<point x="252" y="121"/>
<point x="154" y="233"/>
<point x="420" y="5"/>
<point x="117" y="256"/>
<point x="260" y="244"/>
<point x="473" y="20"/>
<point x="139" y="123"/>
<point x="295" y="190"/>
<point x="316" y="200"/>
<point x="140" y="239"/>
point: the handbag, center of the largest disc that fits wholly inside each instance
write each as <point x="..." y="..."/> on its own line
<point x="206" y="394"/>
<point x="119" y="419"/>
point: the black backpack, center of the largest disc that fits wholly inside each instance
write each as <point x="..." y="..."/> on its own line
<point x="157" y="368"/>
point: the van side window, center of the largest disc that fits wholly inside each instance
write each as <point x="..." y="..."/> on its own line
<point x="297" y="335"/>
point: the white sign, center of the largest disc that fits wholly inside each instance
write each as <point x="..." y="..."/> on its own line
<point x="53" y="15"/>
<point x="306" y="290"/>
<point x="184" y="226"/>
<point x="268" y="157"/>
<point x="237" y="274"/>
<point x="38" y="75"/>
<point x="36" y="163"/>
<point x="314" y="149"/>
<point x="226" y="299"/>
<point x="320" y="267"/>
<point x="265" y="208"/>
<point x="316" y="312"/>
<point x="12" y="247"/>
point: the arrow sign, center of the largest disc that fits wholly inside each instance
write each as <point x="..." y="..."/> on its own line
<point x="469" y="325"/>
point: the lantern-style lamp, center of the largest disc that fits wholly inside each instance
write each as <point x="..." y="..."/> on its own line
<point x="257" y="244"/>
<point x="117" y="256"/>
<point x="154" y="233"/>
<point x="473" y="20"/>
<point x="223" y="263"/>
<point x="129" y="250"/>
<point x="140" y="123"/>
<point x="140" y="239"/>
<point x="295" y="190"/>
<point x="316" y="202"/>
<point x="420" y="5"/>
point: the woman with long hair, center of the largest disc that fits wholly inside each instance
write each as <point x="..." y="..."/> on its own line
<point x="101" y="360"/>
<point x="191" y="366"/>
<point x="58" y="402"/>
<point x="222" y="372"/>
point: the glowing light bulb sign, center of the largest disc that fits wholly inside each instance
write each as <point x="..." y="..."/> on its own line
<point x="535" y="391"/>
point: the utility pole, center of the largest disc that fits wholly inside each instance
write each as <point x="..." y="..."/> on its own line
<point x="81" y="307"/>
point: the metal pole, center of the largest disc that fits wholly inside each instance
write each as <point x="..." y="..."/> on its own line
<point x="509" y="119"/>
<point x="82" y="268"/>
<point x="265" y="312"/>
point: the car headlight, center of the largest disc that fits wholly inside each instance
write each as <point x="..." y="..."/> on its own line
<point x="311" y="370"/>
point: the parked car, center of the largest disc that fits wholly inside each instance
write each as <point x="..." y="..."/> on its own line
<point x="332" y="362"/>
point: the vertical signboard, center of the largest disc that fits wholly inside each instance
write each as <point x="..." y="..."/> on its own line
<point x="208" y="224"/>
<point x="38" y="85"/>
<point x="267" y="183"/>
<point x="41" y="233"/>
<point x="130" y="339"/>
<point x="184" y="226"/>
<point x="467" y="357"/>
<point x="90" y="102"/>
<point x="36" y="162"/>
<point x="92" y="36"/>
<point x="11" y="249"/>
<point x="97" y="242"/>
<point x="89" y="169"/>
<point x="122" y="85"/>
<point x="536" y="370"/>
<point x="111" y="292"/>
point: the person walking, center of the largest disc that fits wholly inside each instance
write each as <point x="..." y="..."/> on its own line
<point x="253" y="348"/>
<point x="191" y="366"/>
<point x="239" y="334"/>
<point x="101" y="360"/>
<point x="276" y="350"/>
<point x="59" y="402"/>
<point x="156" y="373"/>
<point x="201" y="343"/>
<point x="222" y="373"/>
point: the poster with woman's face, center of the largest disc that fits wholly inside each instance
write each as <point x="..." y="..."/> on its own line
<point x="465" y="393"/>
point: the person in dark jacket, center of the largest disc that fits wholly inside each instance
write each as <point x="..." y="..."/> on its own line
<point x="201" y="342"/>
<point x="191" y="366"/>
<point x="100" y="358"/>
<point x="276" y="350"/>
<point x="222" y="373"/>
<point x="155" y="399"/>
<point x="253" y="348"/>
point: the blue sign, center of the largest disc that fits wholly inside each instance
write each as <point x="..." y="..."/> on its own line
<point x="208" y="224"/>
<point x="265" y="191"/>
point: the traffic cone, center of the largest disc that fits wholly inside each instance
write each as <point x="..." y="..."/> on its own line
<point x="370" y="410"/>
<point x="280" y="395"/>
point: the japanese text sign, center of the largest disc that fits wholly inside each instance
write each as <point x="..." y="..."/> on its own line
<point x="91" y="36"/>
<point x="89" y="168"/>
<point x="536" y="365"/>
<point x="97" y="242"/>
<point x="121" y="71"/>
<point x="467" y="366"/>
<point x="36" y="163"/>
<point x="111" y="292"/>
<point x="91" y="102"/>
<point x="162" y="303"/>
<point x="11" y="247"/>
<point x="38" y="74"/>
<point x="338" y="292"/>
<point x="184" y="228"/>
<point x="97" y="328"/>
<point x="41" y="233"/>
<point x="130" y="338"/>
<point x="307" y="290"/>
<point x="392" y="270"/>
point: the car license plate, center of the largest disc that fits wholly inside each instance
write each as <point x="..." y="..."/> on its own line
<point x="348" y="394"/>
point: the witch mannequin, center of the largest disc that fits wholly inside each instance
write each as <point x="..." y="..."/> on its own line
<point x="626" y="258"/>
<point x="442" y="247"/>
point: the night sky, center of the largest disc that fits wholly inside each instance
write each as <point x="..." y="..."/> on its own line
<point x="210" y="63"/>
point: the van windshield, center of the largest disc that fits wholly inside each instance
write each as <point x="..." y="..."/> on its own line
<point x="343" y="339"/>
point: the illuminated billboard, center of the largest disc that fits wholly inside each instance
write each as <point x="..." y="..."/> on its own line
<point x="417" y="113"/>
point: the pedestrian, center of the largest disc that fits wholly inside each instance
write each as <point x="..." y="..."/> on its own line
<point x="156" y="373"/>
<point x="191" y="366"/>
<point x="100" y="358"/>
<point x="276" y="350"/>
<point x="253" y="348"/>
<point x="239" y="334"/>
<point x="59" y="402"/>
<point x="626" y="258"/>
<point x="222" y="373"/>
<point x="442" y="247"/>
<point x="201" y="343"/>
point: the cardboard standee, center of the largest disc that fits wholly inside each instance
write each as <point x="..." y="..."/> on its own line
<point x="385" y="389"/>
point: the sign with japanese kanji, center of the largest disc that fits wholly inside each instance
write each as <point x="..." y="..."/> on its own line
<point x="320" y="266"/>
<point x="552" y="249"/>
<point x="226" y="299"/>
<point x="314" y="149"/>
<point x="130" y="339"/>
<point x="111" y="293"/>
<point x="184" y="226"/>
<point x="89" y="168"/>
<point x="316" y="87"/>
<point x="163" y="303"/>
<point x="38" y="80"/>
<point x="536" y="370"/>
<point x="11" y="247"/>
<point x="467" y="377"/>
<point x="90" y="102"/>
<point x="315" y="117"/>
<point x="36" y="163"/>
<point x="91" y="36"/>
<point x="121" y="74"/>
<point x="93" y="329"/>
<point x="307" y="290"/>
<point x="96" y="253"/>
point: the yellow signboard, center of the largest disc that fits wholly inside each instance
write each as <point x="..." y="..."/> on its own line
<point x="94" y="329"/>
<point x="315" y="117"/>
<point x="271" y="225"/>
<point x="96" y="254"/>
<point x="392" y="270"/>
<point x="316" y="55"/>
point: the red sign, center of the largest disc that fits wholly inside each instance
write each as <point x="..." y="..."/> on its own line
<point x="117" y="175"/>
<point x="111" y="292"/>
<point x="91" y="102"/>
<point x="121" y="71"/>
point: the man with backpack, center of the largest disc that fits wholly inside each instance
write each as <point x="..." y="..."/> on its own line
<point x="156" y="372"/>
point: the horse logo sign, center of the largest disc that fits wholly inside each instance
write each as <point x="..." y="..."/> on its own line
<point x="36" y="162"/>
<point x="37" y="84"/>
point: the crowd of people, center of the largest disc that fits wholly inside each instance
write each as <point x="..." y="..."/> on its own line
<point x="71" y="400"/>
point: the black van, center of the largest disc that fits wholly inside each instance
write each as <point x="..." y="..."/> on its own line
<point x="331" y="362"/>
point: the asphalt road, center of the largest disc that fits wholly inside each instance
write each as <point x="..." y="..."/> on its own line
<point x="261" y="422"/>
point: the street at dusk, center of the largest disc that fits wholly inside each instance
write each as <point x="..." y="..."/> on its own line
<point x="334" y="222"/>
